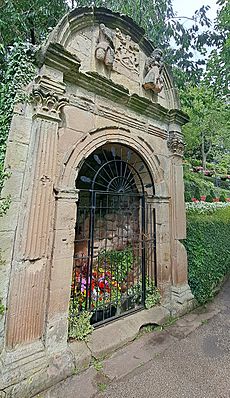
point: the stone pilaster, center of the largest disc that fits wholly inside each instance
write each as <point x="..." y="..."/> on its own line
<point x="163" y="258"/>
<point x="46" y="121"/>
<point x="181" y="293"/>
<point x="61" y="270"/>
<point x="28" y="289"/>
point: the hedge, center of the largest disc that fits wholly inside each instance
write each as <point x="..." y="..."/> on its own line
<point x="208" y="248"/>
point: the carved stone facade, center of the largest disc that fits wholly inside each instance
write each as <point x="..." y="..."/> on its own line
<point x="89" y="92"/>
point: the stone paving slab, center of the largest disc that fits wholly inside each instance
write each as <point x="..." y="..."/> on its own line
<point x="106" y="340"/>
<point x="136" y="354"/>
<point x="177" y="361"/>
<point x="78" y="386"/>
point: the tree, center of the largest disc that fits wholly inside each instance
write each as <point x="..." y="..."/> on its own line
<point x="26" y="20"/>
<point x="207" y="133"/>
<point x="218" y="71"/>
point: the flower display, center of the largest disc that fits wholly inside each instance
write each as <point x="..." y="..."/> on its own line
<point x="102" y="288"/>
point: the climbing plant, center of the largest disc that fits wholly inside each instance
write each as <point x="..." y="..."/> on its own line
<point x="18" y="72"/>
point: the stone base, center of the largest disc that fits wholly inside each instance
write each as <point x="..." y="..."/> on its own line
<point x="182" y="300"/>
<point x="110" y="337"/>
<point x="30" y="369"/>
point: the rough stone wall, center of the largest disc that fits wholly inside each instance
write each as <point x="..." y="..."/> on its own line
<point x="82" y="99"/>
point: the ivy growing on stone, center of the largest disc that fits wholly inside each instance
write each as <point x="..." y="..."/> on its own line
<point x="18" y="72"/>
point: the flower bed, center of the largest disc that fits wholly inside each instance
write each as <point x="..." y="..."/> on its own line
<point x="205" y="207"/>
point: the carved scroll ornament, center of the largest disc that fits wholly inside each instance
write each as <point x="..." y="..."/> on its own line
<point x="153" y="68"/>
<point x="176" y="143"/>
<point x="47" y="102"/>
<point x="105" y="48"/>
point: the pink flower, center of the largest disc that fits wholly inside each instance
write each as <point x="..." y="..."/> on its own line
<point x="203" y="198"/>
<point x="195" y="200"/>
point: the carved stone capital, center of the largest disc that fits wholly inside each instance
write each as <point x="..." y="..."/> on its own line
<point x="175" y="143"/>
<point x="71" y="195"/>
<point x="48" y="104"/>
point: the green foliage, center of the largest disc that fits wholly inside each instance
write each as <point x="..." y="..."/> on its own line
<point x="4" y="205"/>
<point x="2" y="308"/>
<point x="152" y="294"/>
<point x="101" y="387"/>
<point x="218" y="72"/>
<point x="222" y="198"/>
<point x="205" y="207"/>
<point x="98" y="365"/>
<point x="207" y="133"/>
<point x="18" y="73"/>
<point x="208" y="251"/>
<point x="196" y="185"/>
<point x="79" y="323"/>
<point x="118" y="262"/>
<point x="29" y="21"/>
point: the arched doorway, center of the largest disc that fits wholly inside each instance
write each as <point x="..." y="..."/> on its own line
<point x="115" y="248"/>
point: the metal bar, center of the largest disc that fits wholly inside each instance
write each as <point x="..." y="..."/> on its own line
<point x="143" y="249"/>
<point x="155" y="247"/>
<point x="91" y="248"/>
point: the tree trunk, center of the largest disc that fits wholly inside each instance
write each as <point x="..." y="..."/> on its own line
<point x="204" y="153"/>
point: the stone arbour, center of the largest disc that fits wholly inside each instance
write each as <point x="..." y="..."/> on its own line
<point x="87" y="92"/>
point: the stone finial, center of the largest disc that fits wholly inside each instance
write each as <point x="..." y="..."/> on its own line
<point x="48" y="103"/>
<point x="105" y="48"/>
<point x="153" y="68"/>
<point x="176" y="143"/>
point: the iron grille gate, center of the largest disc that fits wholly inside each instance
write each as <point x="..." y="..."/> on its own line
<point x="115" y="254"/>
<point x="115" y="251"/>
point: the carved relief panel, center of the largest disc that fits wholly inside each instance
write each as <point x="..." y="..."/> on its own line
<point x="127" y="52"/>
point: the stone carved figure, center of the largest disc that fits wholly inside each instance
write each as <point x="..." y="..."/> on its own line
<point x="154" y="66"/>
<point x="105" y="48"/>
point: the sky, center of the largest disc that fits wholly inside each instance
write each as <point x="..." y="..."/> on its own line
<point x="188" y="7"/>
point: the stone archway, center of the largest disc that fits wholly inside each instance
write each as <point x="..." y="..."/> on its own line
<point x="81" y="101"/>
<point x="114" y="257"/>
